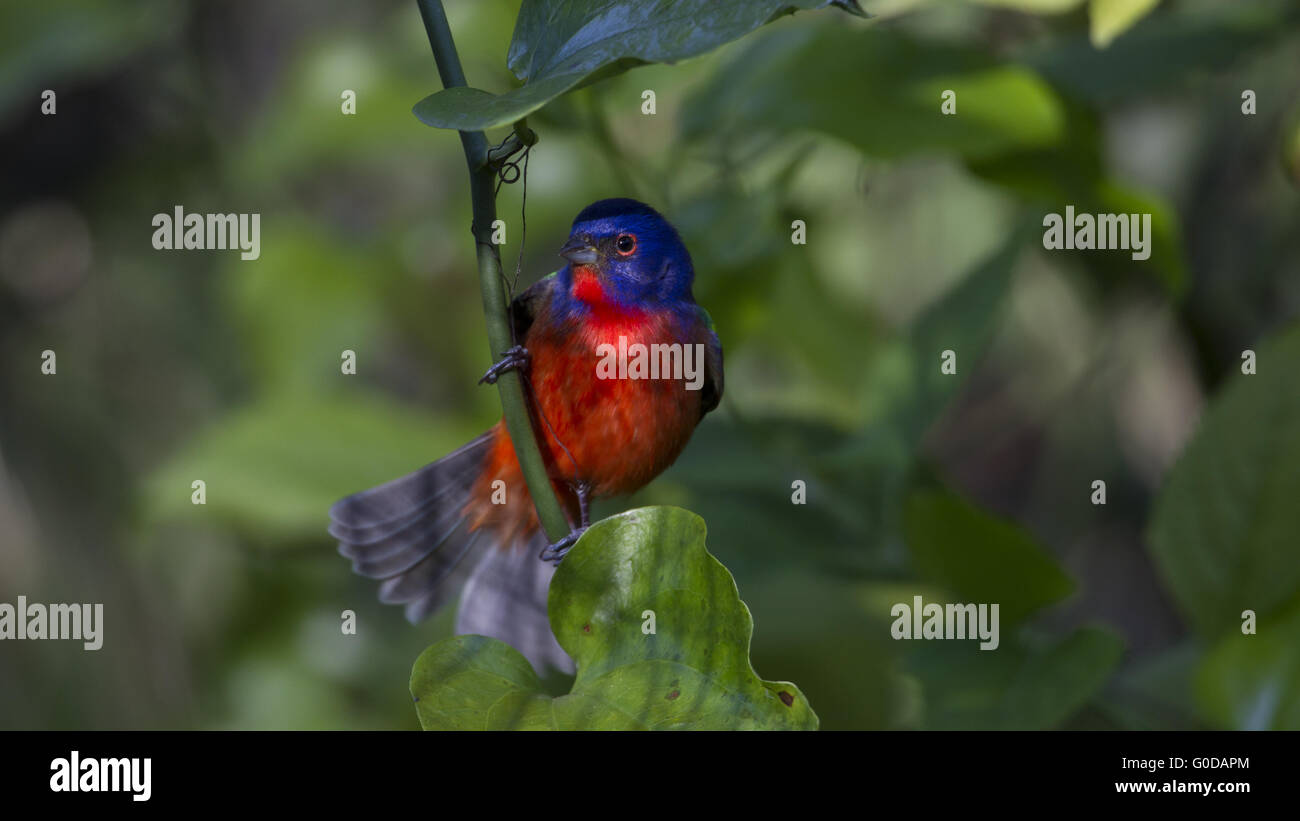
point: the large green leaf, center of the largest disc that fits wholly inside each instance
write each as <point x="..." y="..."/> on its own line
<point x="880" y="91"/>
<point x="1224" y="527"/>
<point x="980" y="558"/>
<point x="693" y="672"/>
<point x="560" y="44"/>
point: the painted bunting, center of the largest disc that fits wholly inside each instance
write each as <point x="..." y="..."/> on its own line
<point x="606" y="348"/>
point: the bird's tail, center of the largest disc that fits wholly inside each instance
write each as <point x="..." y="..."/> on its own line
<point x="413" y="535"/>
<point x="506" y="599"/>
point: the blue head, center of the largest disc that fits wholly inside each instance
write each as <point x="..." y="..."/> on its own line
<point x="624" y="254"/>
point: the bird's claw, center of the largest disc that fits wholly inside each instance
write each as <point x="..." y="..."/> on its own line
<point x="514" y="359"/>
<point x="556" y="552"/>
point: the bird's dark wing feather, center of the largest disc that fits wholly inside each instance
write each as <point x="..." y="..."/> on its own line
<point x="412" y="535"/>
<point x="524" y="308"/>
<point x="712" y="367"/>
<point x="411" y="532"/>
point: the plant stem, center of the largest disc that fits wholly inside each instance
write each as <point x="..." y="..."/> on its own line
<point x="482" y="178"/>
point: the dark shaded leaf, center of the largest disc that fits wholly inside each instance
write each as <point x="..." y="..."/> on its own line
<point x="1223" y="531"/>
<point x="881" y="91"/>
<point x="1178" y="50"/>
<point x="561" y="44"/>
<point x="1015" y="687"/>
<point x="979" y="558"/>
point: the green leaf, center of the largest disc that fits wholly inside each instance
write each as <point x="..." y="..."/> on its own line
<point x="1033" y="6"/>
<point x="1191" y="43"/>
<point x="693" y="672"/>
<point x="1252" y="682"/>
<point x="286" y="144"/>
<point x="1110" y="18"/>
<point x="305" y="300"/>
<point x="980" y="558"/>
<point x="963" y="321"/>
<point x="1015" y="687"/>
<point x="1155" y="693"/>
<point x="54" y="43"/>
<point x="1167" y="261"/>
<point x="855" y="477"/>
<point x="879" y="91"/>
<point x="561" y="44"/>
<point x="273" y="469"/>
<point x="478" y="683"/>
<point x="1223" y="529"/>
<point x="738" y="475"/>
<point x="1072" y="173"/>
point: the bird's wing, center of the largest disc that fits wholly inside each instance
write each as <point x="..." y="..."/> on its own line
<point x="524" y="308"/>
<point x="712" y="365"/>
<point x="411" y="533"/>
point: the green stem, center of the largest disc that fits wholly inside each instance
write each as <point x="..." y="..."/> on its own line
<point x="482" y="178"/>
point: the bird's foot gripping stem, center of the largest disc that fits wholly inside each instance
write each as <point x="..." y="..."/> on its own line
<point x="556" y="552"/>
<point x="514" y="359"/>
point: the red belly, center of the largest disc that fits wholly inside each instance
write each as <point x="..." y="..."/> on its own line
<point x="616" y="434"/>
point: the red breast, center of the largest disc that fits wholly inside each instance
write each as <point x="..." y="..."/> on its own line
<point x="616" y="434"/>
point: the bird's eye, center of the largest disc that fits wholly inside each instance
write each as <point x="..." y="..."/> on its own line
<point x="626" y="244"/>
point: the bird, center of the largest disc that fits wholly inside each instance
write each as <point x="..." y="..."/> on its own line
<point x="465" y="524"/>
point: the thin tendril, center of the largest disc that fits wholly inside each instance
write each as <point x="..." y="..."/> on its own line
<point x="511" y="172"/>
<point x="523" y="219"/>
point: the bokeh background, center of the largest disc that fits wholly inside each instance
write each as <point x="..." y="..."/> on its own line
<point x="923" y="234"/>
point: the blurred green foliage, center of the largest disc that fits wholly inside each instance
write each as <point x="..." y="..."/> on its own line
<point x="923" y="235"/>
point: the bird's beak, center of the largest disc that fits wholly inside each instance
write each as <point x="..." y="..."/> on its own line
<point x="579" y="251"/>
